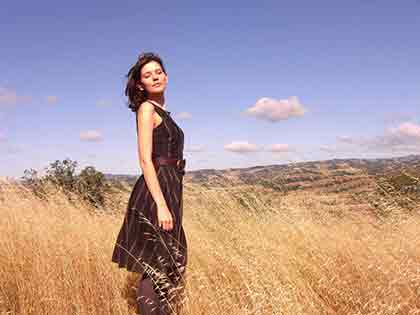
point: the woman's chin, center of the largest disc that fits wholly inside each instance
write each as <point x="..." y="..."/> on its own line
<point x="158" y="90"/>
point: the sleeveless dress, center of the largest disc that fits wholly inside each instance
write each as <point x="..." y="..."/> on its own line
<point x="142" y="246"/>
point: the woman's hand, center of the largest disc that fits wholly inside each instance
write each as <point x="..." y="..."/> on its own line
<point x="165" y="219"/>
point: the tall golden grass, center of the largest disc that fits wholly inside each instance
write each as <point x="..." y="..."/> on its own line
<point x="305" y="253"/>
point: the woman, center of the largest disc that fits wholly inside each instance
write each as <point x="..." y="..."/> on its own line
<point x="152" y="241"/>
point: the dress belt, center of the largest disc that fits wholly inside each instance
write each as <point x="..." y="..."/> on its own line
<point x="163" y="160"/>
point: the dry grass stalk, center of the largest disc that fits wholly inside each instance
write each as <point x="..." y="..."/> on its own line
<point x="304" y="254"/>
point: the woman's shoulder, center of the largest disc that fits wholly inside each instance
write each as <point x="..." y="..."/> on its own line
<point x="147" y="105"/>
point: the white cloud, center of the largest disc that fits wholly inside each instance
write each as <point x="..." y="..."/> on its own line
<point x="406" y="134"/>
<point x="241" y="147"/>
<point x="51" y="99"/>
<point x="279" y="147"/>
<point x="91" y="135"/>
<point x="397" y="117"/>
<point x="407" y="129"/>
<point x="403" y="138"/>
<point x="328" y="149"/>
<point x="184" y="115"/>
<point x="9" y="97"/>
<point x="347" y="139"/>
<point x="275" y="110"/>
<point x="196" y="148"/>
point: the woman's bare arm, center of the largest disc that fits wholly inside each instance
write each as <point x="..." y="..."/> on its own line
<point x="145" y="146"/>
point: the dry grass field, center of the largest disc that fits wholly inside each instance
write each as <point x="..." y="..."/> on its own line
<point x="304" y="253"/>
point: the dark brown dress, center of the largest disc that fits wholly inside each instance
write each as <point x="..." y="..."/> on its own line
<point x="142" y="246"/>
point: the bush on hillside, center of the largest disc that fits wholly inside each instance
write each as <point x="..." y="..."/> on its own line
<point x="90" y="184"/>
<point x="63" y="174"/>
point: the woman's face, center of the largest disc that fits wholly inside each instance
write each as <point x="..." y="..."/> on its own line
<point x="153" y="79"/>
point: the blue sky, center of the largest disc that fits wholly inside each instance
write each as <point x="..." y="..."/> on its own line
<point x="250" y="83"/>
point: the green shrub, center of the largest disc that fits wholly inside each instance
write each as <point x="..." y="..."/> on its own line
<point x="90" y="184"/>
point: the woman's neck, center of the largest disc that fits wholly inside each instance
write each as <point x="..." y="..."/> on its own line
<point x="159" y="99"/>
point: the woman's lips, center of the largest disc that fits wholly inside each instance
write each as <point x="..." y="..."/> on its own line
<point x="157" y="84"/>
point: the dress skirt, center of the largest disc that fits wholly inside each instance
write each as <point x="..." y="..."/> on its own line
<point x="142" y="246"/>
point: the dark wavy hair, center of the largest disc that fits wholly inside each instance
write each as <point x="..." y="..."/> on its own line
<point x="134" y="95"/>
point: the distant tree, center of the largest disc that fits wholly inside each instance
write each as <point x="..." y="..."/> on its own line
<point x="91" y="185"/>
<point x="62" y="173"/>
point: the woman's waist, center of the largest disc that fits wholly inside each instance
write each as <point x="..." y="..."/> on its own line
<point x="177" y="161"/>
